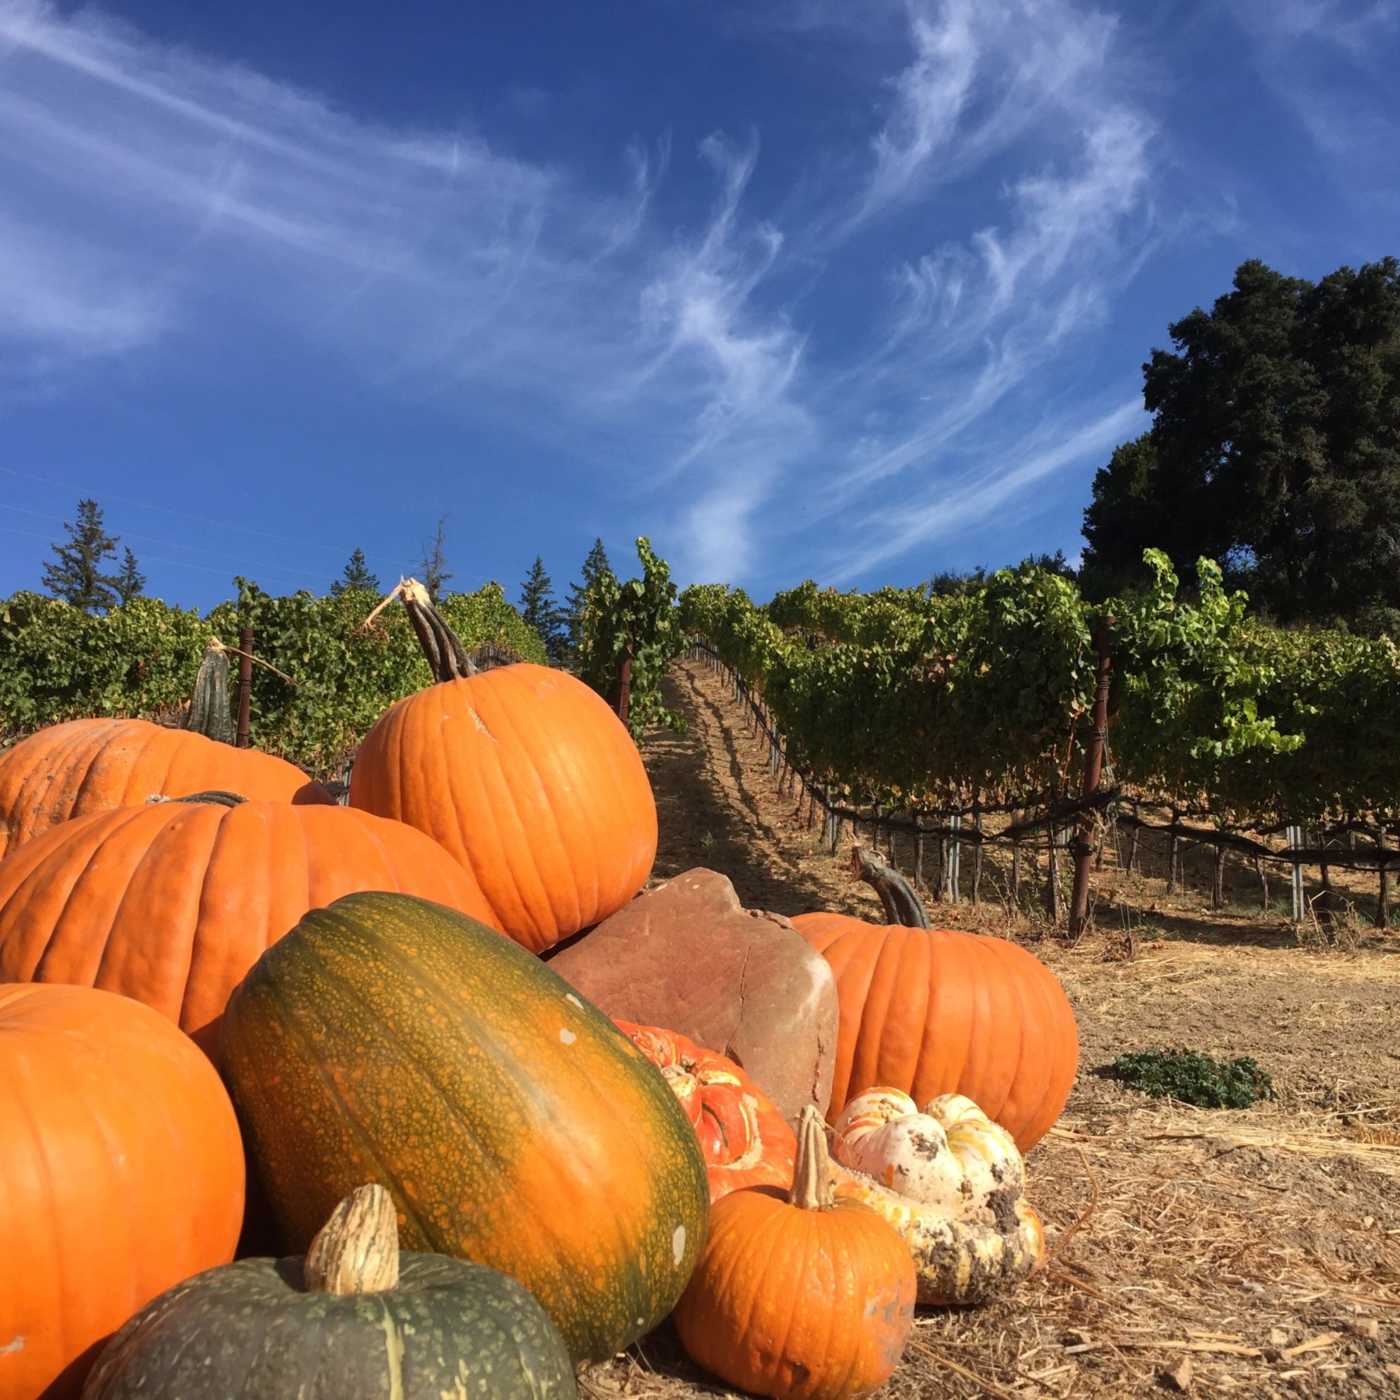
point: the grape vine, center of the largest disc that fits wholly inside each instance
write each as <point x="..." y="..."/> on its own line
<point x="632" y="625"/>
<point x="900" y="699"/>
<point x="896" y="698"/>
<point x="59" y="663"/>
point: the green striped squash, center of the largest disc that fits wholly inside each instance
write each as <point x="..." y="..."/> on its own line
<point x="392" y="1040"/>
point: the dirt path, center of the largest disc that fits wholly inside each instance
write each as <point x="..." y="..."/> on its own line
<point x="718" y="806"/>
<point x="1263" y="1246"/>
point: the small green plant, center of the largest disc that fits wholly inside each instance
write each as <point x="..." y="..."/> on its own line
<point x="1190" y="1077"/>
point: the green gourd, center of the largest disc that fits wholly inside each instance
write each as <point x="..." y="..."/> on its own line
<point x="354" y="1319"/>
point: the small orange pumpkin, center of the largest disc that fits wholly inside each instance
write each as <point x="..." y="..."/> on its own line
<point x="804" y="1298"/>
<point x="744" y="1139"/>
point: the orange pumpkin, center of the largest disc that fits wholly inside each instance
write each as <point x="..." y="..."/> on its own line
<point x="935" y="1011"/>
<point x="525" y="775"/>
<point x="93" y="765"/>
<point x="173" y="903"/>
<point x="808" y="1297"/>
<point x="744" y="1139"/>
<point x="121" y="1173"/>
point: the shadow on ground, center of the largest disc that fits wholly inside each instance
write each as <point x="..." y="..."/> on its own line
<point x="710" y="813"/>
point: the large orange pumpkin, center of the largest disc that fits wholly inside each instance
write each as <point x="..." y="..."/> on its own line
<point x="121" y="1173"/>
<point x="93" y="765"/>
<point x="173" y="903"/>
<point x="935" y="1011"/>
<point x="525" y="775"/>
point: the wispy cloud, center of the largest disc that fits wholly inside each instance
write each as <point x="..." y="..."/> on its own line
<point x="1029" y="87"/>
<point x="983" y="73"/>
<point x="64" y="294"/>
<point x="997" y="479"/>
<point x="700" y="308"/>
<point x="1353" y="25"/>
<point x="972" y="319"/>
<point x="432" y="260"/>
<point x="672" y="351"/>
<point x="1333" y="62"/>
<point x="975" y="322"/>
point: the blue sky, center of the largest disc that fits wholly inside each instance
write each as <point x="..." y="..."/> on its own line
<point x="845" y="289"/>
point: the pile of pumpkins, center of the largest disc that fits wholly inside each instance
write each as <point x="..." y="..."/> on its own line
<point x="234" y="1012"/>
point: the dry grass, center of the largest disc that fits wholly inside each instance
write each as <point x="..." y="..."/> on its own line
<point x="1260" y="1247"/>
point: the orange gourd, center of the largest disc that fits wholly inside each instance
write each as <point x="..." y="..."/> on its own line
<point x="744" y="1139"/>
<point x="94" y="765"/>
<point x="121" y="1173"/>
<point x="935" y="1011"/>
<point x="172" y="903"/>
<point x="807" y="1297"/>
<point x="525" y="775"/>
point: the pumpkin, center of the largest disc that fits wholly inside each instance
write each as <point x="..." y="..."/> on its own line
<point x="935" y="1011"/>
<point x="121" y="1172"/>
<point x="93" y="765"/>
<point x="950" y="1181"/>
<point x="525" y="775"/>
<point x="355" y="1317"/>
<point x="172" y="903"/>
<point x="744" y="1138"/>
<point x="389" y="1038"/>
<point x="801" y="1296"/>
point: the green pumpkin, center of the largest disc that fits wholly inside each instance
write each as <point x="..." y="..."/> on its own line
<point x="354" y="1319"/>
<point x="389" y="1039"/>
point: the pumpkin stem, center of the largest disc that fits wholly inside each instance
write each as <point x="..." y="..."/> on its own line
<point x="446" y="655"/>
<point x="214" y="797"/>
<point x="811" y="1181"/>
<point x="357" y="1249"/>
<point x="902" y="906"/>
<point x="210" y="713"/>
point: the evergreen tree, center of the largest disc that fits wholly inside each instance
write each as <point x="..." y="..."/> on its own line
<point x="357" y="574"/>
<point x="434" y="566"/>
<point x="538" y="608"/>
<point x="1055" y="563"/>
<point x="949" y="582"/>
<point x="130" y="582"/>
<point x="75" y="575"/>
<point x="593" y="568"/>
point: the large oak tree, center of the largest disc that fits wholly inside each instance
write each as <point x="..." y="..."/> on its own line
<point x="1274" y="449"/>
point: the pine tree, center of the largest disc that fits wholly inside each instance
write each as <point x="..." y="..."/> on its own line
<point x="75" y="575"/>
<point x="434" y="566"/>
<point x="538" y="608"/>
<point x="130" y="582"/>
<point x="357" y="574"/>
<point x="593" y="567"/>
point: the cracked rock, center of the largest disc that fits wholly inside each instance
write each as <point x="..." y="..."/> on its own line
<point x="688" y="956"/>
